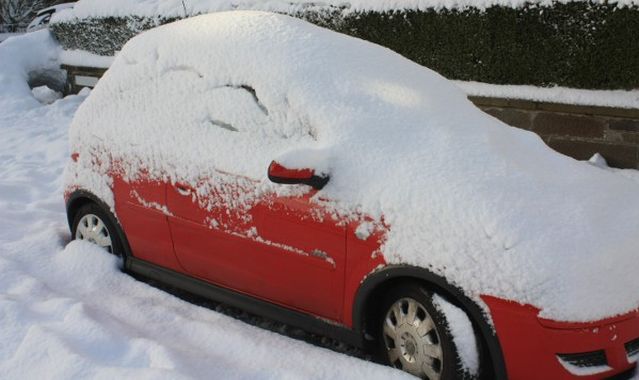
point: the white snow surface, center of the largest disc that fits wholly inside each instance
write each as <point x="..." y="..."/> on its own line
<point x="20" y="56"/>
<point x="179" y="8"/>
<point x="85" y="59"/>
<point x="599" y="161"/>
<point x="461" y="329"/>
<point x="4" y="36"/>
<point x="490" y="207"/>
<point x="564" y="95"/>
<point x="69" y="312"/>
<point x="45" y="95"/>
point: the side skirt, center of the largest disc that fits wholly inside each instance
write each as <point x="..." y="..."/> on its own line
<point x="242" y="301"/>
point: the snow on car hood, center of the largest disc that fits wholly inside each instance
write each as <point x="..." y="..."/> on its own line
<point x="490" y="207"/>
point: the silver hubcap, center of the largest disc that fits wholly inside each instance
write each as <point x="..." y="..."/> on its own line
<point x="92" y="229"/>
<point x="411" y="340"/>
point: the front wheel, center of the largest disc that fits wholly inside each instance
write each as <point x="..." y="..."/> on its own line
<point x="95" y="225"/>
<point x="414" y="335"/>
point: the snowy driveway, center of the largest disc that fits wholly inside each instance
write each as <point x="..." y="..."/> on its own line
<point x="66" y="311"/>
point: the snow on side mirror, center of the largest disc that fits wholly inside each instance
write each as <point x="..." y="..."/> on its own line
<point x="278" y="173"/>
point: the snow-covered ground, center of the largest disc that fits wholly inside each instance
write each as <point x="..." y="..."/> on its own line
<point x="4" y="36"/>
<point x="67" y="311"/>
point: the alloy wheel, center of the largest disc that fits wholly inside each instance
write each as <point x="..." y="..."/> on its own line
<point x="411" y="339"/>
<point x="92" y="229"/>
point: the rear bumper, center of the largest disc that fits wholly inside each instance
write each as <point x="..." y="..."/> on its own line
<point x="535" y="348"/>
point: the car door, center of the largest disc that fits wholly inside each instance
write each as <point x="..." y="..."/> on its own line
<point x="210" y="235"/>
<point x="284" y="249"/>
<point x="305" y="246"/>
<point x="140" y="204"/>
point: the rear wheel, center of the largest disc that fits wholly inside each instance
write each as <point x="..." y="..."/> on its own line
<point x="414" y="335"/>
<point x="96" y="225"/>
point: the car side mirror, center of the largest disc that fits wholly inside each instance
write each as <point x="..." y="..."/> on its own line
<point x="278" y="173"/>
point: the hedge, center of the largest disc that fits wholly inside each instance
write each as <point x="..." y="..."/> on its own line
<point x="574" y="44"/>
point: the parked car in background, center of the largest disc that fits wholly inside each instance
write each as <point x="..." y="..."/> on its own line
<point x="330" y="183"/>
<point x="44" y="16"/>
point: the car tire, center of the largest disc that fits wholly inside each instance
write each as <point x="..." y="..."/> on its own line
<point x="407" y="341"/>
<point x="98" y="226"/>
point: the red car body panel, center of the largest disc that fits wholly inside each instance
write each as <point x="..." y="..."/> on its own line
<point x="138" y="206"/>
<point x="530" y="344"/>
<point x="363" y="257"/>
<point x="286" y="250"/>
<point x="293" y="252"/>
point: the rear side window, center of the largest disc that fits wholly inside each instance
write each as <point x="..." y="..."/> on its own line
<point x="236" y="109"/>
<point x="46" y="13"/>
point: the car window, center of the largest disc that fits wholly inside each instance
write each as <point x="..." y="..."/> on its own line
<point x="188" y="123"/>
<point x="236" y="108"/>
<point x="46" y="13"/>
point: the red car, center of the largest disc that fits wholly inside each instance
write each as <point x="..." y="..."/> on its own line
<point x="331" y="184"/>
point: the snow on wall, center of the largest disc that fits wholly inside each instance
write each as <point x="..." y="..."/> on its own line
<point x="490" y="207"/>
<point x="85" y="59"/>
<point x="564" y="95"/>
<point x="177" y="8"/>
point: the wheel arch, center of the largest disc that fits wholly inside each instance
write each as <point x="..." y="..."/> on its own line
<point x="367" y="299"/>
<point x="79" y="198"/>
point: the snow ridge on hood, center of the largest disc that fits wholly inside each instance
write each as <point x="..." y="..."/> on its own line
<point x="490" y="207"/>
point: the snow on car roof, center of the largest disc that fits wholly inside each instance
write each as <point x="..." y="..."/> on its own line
<point x="487" y="206"/>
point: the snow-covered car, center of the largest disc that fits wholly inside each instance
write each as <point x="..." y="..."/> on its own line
<point x="332" y="184"/>
<point x="44" y="16"/>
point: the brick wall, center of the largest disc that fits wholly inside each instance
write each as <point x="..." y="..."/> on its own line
<point x="577" y="131"/>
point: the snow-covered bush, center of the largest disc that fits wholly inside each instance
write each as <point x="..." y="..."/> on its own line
<point x="18" y="13"/>
<point x="103" y="36"/>
<point x="583" y="44"/>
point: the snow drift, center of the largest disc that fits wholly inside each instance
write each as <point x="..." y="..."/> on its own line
<point x="489" y="207"/>
<point x="21" y="57"/>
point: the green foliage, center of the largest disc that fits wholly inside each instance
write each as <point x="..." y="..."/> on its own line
<point x="102" y="36"/>
<point x="574" y="44"/>
<point x="16" y="14"/>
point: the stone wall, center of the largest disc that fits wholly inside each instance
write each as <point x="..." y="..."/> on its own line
<point x="79" y="77"/>
<point x="577" y="131"/>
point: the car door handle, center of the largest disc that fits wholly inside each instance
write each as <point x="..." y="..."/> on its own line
<point x="183" y="189"/>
